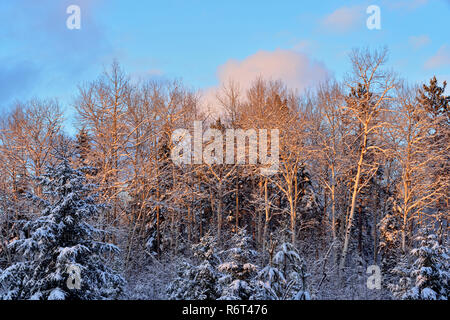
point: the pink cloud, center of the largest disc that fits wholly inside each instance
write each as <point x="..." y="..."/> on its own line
<point x="344" y="19"/>
<point x="419" y="41"/>
<point x="295" y="69"/>
<point x="440" y="59"/>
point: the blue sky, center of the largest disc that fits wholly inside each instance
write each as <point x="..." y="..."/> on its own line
<point x="205" y="42"/>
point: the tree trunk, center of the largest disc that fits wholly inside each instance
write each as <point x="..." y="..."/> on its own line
<point x="266" y="220"/>
<point x="352" y="209"/>
<point x="237" y="205"/>
<point x="158" y="231"/>
<point x="219" y="212"/>
<point x="360" y="229"/>
<point x="293" y="216"/>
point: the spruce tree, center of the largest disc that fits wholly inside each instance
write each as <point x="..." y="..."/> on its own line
<point x="62" y="258"/>
<point x="434" y="100"/>
<point x="239" y="282"/>
<point x="286" y="275"/>
<point x="432" y="97"/>
<point x="390" y="242"/>
<point x="430" y="270"/>
<point x="198" y="281"/>
<point x="402" y="278"/>
<point x="83" y="146"/>
<point x="428" y="277"/>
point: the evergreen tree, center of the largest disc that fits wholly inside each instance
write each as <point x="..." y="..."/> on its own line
<point x="433" y="99"/>
<point x="198" y="282"/>
<point x="182" y="287"/>
<point x="402" y="275"/>
<point x="286" y="275"/>
<point x="61" y="242"/>
<point x="389" y="247"/>
<point x="239" y="283"/>
<point x="430" y="272"/>
<point x="82" y="146"/>
<point x="272" y="279"/>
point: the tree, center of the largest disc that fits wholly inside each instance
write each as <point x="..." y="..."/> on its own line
<point x="367" y="101"/>
<point x="390" y="229"/>
<point x="239" y="284"/>
<point x="330" y="131"/>
<point x="286" y="275"/>
<point x="101" y="107"/>
<point x="430" y="270"/>
<point x="38" y="129"/>
<point x="433" y="99"/>
<point x="271" y="105"/>
<point x="429" y="275"/>
<point x="416" y="190"/>
<point x="402" y="273"/>
<point x="82" y="146"/>
<point x="198" y="282"/>
<point x="154" y="110"/>
<point x="62" y="239"/>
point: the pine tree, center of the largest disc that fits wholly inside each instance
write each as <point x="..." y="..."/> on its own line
<point x="239" y="283"/>
<point x="62" y="241"/>
<point x="286" y="275"/>
<point x="198" y="282"/>
<point x="83" y="146"/>
<point x="433" y="99"/>
<point x="430" y="272"/>
<point x="272" y="279"/>
<point x="402" y="275"/>
<point x="183" y="285"/>
<point x="390" y="243"/>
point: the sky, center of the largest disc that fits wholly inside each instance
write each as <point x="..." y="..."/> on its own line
<point x="205" y="43"/>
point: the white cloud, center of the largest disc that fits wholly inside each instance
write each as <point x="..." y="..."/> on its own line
<point x="295" y="69"/>
<point x="419" y="41"/>
<point x="440" y="59"/>
<point x="344" y="19"/>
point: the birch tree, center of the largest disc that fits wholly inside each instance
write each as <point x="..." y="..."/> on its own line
<point x="370" y="91"/>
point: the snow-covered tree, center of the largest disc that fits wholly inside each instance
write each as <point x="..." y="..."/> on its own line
<point x="429" y="273"/>
<point x="198" y="282"/>
<point x="62" y="258"/>
<point x="273" y="281"/>
<point x="182" y="287"/>
<point x="286" y="274"/>
<point x="431" y="270"/>
<point x="240" y="281"/>
<point x="402" y="275"/>
<point x="390" y="243"/>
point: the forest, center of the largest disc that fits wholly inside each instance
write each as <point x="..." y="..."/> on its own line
<point x="358" y="208"/>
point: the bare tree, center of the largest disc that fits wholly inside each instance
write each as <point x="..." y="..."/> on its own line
<point x="102" y="107"/>
<point x="370" y="89"/>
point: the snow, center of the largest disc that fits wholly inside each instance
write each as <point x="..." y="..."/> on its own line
<point x="58" y="239"/>
<point x="428" y="294"/>
<point x="57" y="294"/>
